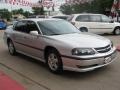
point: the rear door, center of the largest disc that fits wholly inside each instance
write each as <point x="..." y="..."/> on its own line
<point x="101" y="24"/>
<point x="19" y="35"/>
<point x="96" y="25"/>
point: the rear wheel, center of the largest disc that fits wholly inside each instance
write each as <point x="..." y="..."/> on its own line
<point x="117" y="31"/>
<point x="11" y="48"/>
<point x="54" y="61"/>
<point x="83" y="29"/>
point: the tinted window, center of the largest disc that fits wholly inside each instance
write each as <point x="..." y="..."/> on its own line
<point x="32" y="26"/>
<point x="83" y="18"/>
<point x="21" y="26"/>
<point x="53" y="27"/>
<point x="95" y="18"/>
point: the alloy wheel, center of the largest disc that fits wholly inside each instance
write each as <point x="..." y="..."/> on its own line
<point x="117" y="31"/>
<point x="53" y="62"/>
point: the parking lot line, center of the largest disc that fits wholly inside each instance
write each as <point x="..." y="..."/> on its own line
<point x="6" y="83"/>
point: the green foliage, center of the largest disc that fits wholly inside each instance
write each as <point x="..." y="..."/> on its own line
<point x="22" y="12"/>
<point x="38" y="10"/>
<point x="96" y="6"/>
<point x="26" y="13"/>
<point x="5" y="14"/>
<point x="18" y="11"/>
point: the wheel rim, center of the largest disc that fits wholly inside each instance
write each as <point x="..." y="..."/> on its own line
<point x="11" y="48"/>
<point x="117" y="31"/>
<point x="53" y="62"/>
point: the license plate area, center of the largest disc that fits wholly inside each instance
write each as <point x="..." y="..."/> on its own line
<point x="107" y="59"/>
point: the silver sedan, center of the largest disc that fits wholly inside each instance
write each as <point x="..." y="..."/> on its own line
<point x="59" y="44"/>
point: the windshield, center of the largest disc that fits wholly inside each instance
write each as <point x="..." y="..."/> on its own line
<point x="57" y="27"/>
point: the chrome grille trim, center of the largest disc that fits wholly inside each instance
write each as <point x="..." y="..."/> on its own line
<point x="103" y="49"/>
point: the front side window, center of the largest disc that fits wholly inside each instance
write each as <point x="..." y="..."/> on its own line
<point x="32" y="26"/>
<point x="83" y="18"/>
<point x="57" y="27"/>
<point x="95" y="18"/>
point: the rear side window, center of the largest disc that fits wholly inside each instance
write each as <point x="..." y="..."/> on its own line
<point x="83" y="18"/>
<point x="95" y="18"/>
<point x="21" y="26"/>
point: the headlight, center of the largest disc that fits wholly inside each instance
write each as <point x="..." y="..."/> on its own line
<point x="83" y="51"/>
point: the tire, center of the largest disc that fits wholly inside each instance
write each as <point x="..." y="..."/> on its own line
<point x="11" y="48"/>
<point x="54" y="61"/>
<point x="83" y="29"/>
<point x="117" y="31"/>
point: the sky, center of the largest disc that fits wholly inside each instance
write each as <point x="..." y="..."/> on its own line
<point x="12" y="7"/>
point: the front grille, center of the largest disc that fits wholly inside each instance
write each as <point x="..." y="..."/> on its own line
<point x="103" y="49"/>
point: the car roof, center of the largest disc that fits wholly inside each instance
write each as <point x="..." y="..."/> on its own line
<point x="86" y="14"/>
<point x="41" y="19"/>
<point x="60" y="15"/>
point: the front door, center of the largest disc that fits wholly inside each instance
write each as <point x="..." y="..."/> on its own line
<point x="34" y="43"/>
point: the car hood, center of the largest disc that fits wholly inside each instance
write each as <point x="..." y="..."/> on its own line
<point x="84" y="40"/>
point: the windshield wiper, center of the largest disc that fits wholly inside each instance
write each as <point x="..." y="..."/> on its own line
<point x="55" y="34"/>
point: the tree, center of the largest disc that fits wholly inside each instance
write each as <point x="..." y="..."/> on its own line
<point x="5" y="14"/>
<point x="95" y="6"/>
<point x="22" y="12"/>
<point x="26" y="13"/>
<point x="39" y="10"/>
<point x="18" y="11"/>
<point x="66" y="9"/>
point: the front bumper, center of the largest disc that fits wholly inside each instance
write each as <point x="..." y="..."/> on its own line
<point x="88" y="64"/>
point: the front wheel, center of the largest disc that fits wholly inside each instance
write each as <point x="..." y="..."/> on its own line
<point x="11" y="48"/>
<point x="54" y="61"/>
<point x="117" y="31"/>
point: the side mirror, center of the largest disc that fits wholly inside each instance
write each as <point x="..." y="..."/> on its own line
<point x="34" y="33"/>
